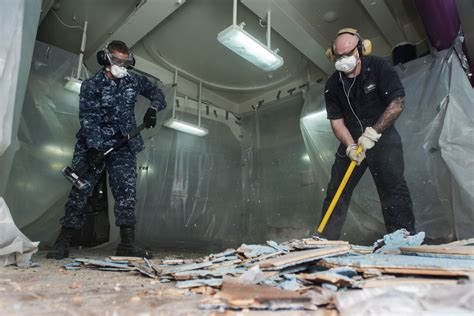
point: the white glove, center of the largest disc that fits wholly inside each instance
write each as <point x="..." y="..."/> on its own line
<point x="351" y="153"/>
<point x="368" y="139"/>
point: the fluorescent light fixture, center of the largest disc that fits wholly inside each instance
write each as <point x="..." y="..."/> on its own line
<point x="242" y="43"/>
<point x="73" y="84"/>
<point x="305" y="158"/>
<point x="185" y="127"/>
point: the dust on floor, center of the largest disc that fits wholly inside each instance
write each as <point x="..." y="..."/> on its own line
<point x="49" y="289"/>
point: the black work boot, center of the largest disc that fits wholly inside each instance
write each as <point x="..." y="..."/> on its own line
<point x="127" y="246"/>
<point x="61" y="246"/>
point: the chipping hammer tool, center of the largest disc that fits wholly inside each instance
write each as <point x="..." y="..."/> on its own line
<point x="336" y="197"/>
<point x="76" y="176"/>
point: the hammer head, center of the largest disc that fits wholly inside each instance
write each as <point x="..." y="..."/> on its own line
<point x="74" y="178"/>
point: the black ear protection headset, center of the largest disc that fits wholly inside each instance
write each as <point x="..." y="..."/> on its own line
<point x="364" y="46"/>
<point x="104" y="61"/>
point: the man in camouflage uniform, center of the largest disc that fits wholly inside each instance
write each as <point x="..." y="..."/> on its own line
<point x="106" y="113"/>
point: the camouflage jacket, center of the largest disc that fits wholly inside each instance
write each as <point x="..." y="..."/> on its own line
<point x="106" y="107"/>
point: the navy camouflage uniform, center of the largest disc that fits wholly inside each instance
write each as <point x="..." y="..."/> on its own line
<point x="106" y="112"/>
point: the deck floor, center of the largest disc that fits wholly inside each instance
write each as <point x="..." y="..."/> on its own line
<point x="49" y="289"/>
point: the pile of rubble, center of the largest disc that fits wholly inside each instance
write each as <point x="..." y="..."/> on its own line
<point x="311" y="273"/>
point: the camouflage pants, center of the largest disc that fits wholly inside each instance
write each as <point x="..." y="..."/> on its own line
<point x="122" y="171"/>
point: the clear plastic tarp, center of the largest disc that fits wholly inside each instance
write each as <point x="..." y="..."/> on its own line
<point x="437" y="131"/>
<point x="11" y="17"/>
<point x="265" y="181"/>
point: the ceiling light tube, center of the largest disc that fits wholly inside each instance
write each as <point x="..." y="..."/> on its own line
<point x="185" y="127"/>
<point x="248" y="47"/>
<point x="73" y="84"/>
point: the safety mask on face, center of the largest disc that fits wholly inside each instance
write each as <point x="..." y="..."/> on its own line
<point x="346" y="64"/>
<point x="118" y="72"/>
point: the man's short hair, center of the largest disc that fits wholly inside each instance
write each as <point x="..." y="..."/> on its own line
<point x="118" y="46"/>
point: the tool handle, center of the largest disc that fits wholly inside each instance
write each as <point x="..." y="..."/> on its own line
<point x="119" y="144"/>
<point x="336" y="197"/>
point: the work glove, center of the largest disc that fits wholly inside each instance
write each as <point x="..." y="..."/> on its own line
<point x="351" y="153"/>
<point x="93" y="157"/>
<point x="368" y="139"/>
<point x="150" y="117"/>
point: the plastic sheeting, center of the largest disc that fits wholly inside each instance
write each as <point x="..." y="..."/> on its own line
<point x="19" y="21"/>
<point x="223" y="188"/>
<point x="15" y="248"/>
<point x="36" y="190"/>
<point x="11" y="17"/>
<point x="437" y="133"/>
<point x="227" y="188"/>
<point x="278" y="185"/>
<point x="425" y="300"/>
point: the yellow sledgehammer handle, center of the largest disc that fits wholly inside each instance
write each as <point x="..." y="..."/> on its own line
<point x="336" y="197"/>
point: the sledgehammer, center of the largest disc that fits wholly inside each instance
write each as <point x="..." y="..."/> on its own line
<point x="76" y="176"/>
<point x="336" y="197"/>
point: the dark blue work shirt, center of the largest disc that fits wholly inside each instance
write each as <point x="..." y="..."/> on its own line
<point x="106" y="108"/>
<point x="374" y="89"/>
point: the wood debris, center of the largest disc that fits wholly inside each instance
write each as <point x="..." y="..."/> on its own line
<point x="404" y="264"/>
<point x="302" y="274"/>
<point x="462" y="252"/>
<point x="304" y="256"/>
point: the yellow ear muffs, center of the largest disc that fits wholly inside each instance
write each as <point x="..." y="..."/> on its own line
<point x="364" y="45"/>
<point x="329" y="54"/>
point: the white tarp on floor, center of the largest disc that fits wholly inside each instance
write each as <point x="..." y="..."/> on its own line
<point x="18" y="22"/>
<point x="15" y="248"/>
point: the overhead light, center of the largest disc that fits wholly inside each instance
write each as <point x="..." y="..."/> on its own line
<point x="181" y="125"/>
<point x="185" y="127"/>
<point x="73" y="84"/>
<point x="248" y="47"/>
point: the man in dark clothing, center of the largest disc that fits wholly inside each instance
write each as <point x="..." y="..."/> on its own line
<point x="364" y="97"/>
<point x="106" y="113"/>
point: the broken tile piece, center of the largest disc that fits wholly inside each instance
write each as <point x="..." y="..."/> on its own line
<point x="219" y="272"/>
<point x="300" y="257"/>
<point x="237" y="295"/>
<point x="277" y="247"/>
<point x="459" y="252"/>
<point x="197" y="283"/>
<point x="103" y="263"/>
<point x="252" y="251"/>
<point x="400" y="238"/>
<point x="404" y="264"/>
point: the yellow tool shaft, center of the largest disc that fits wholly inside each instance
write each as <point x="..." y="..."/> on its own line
<point x="336" y="197"/>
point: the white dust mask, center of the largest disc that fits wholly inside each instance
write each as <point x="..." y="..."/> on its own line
<point x="346" y="64"/>
<point x="118" y="72"/>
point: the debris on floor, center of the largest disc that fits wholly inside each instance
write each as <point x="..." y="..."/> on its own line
<point x="310" y="273"/>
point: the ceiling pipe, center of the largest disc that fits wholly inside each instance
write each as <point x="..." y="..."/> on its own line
<point x="441" y="21"/>
<point x="234" y="13"/>
<point x="269" y="29"/>
<point x="83" y="47"/>
<point x="442" y="24"/>
<point x="175" y="85"/>
<point x="199" y="104"/>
